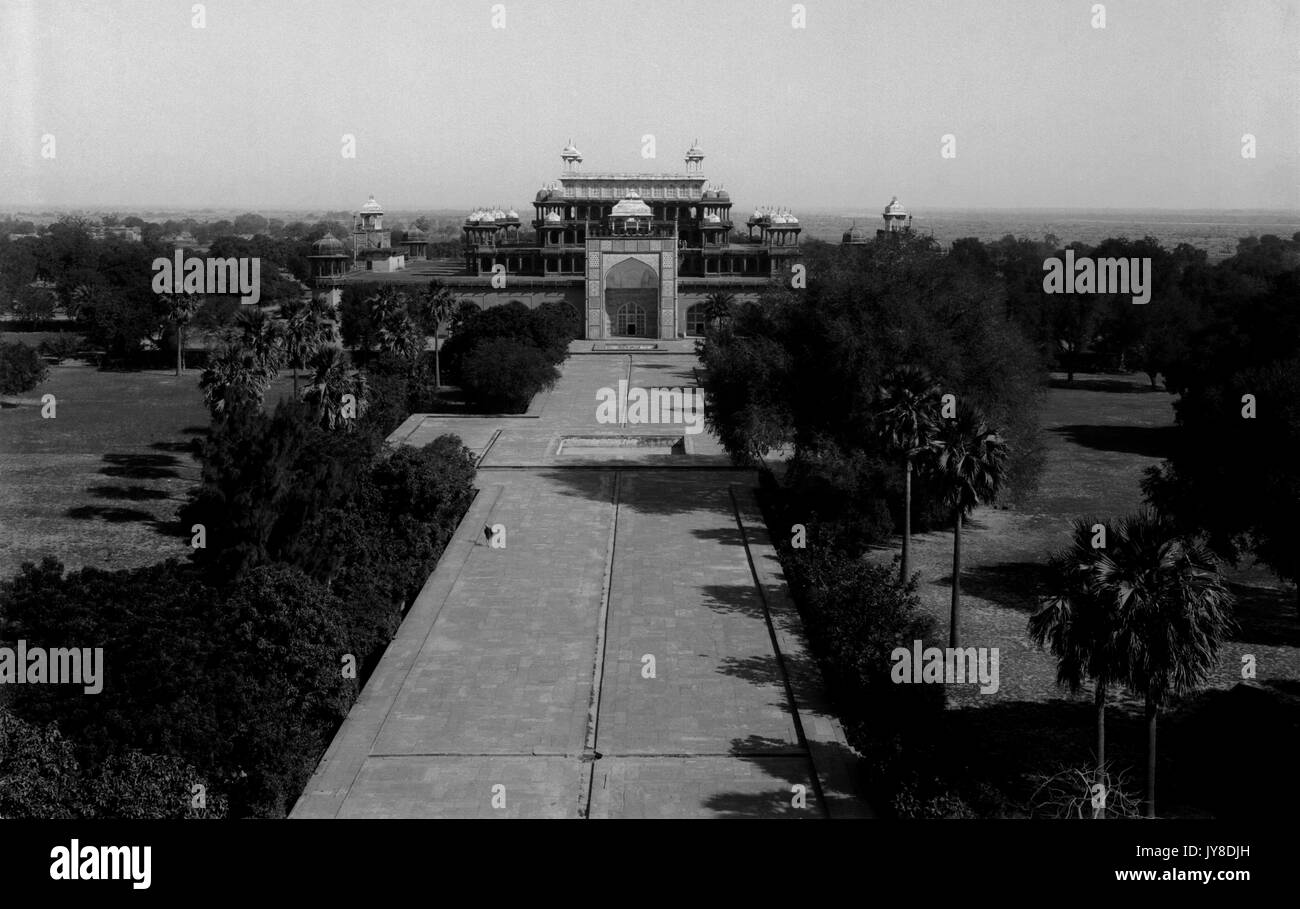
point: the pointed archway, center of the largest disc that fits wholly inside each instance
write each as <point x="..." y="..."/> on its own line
<point x="632" y="300"/>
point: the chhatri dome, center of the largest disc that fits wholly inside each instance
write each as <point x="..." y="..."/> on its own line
<point x="371" y="207"/>
<point x="631" y="206"/>
<point x="327" y="245"/>
<point x="854" y="235"/>
<point x="895" y="207"/>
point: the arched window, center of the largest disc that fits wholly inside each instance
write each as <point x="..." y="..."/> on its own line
<point x="630" y="320"/>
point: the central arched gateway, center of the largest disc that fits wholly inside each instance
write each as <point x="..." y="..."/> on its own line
<point x="632" y="299"/>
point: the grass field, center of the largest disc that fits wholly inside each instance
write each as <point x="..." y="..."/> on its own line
<point x="1100" y="436"/>
<point x="99" y="484"/>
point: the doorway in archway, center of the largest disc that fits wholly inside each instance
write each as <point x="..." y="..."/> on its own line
<point x="632" y="300"/>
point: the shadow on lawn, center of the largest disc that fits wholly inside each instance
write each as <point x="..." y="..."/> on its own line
<point x="1126" y="386"/>
<point x="141" y="466"/>
<point x="114" y="514"/>
<point x="132" y="493"/>
<point x="1015" y="585"/>
<point x="1148" y="441"/>
<point x="1266" y="615"/>
<point x="178" y="447"/>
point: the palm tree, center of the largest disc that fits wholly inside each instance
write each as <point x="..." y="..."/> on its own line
<point x="1079" y="624"/>
<point x="968" y="463"/>
<point x="1174" y="611"/>
<point x="84" y="296"/>
<point x="303" y="327"/>
<point x="718" y="306"/>
<point x="906" y="419"/>
<point x="436" y="307"/>
<point x="332" y="378"/>
<point x="261" y="337"/>
<point x="180" y="310"/>
<point x="399" y="334"/>
<point x="234" y="377"/>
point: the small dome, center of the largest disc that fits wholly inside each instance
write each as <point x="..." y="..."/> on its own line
<point x="571" y="151"/>
<point x="695" y="151"/>
<point x="631" y="206"/>
<point x="414" y="235"/>
<point x="756" y="216"/>
<point x="895" y="208"/>
<point x="542" y="195"/>
<point x="855" y="234"/>
<point x="327" y="245"/>
<point x="498" y="215"/>
<point x="371" y="207"/>
<point x="723" y="196"/>
<point x="512" y="215"/>
<point x="790" y="219"/>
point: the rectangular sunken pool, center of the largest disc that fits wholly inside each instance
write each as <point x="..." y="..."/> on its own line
<point x="620" y="446"/>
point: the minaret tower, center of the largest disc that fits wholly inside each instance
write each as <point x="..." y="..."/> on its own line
<point x="368" y="234"/>
<point x="896" y="217"/>
<point x="572" y="158"/>
<point x="695" y="158"/>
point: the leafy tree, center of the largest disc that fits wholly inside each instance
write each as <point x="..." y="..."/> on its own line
<point x="504" y="374"/>
<point x="803" y="369"/>
<point x="21" y="368"/>
<point x="968" y="465"/>
<point x="266" y="480"/>
<point x="1233" y="477"/>
<point x="154" y="625"/>
<point x="554" y="325"/>
<point x="384" y="543"/>
<point x="34" y="303"/>
<point x="250" y="223"/>
<point x="38" y="771"/>
<point x="284" y="640"/>
<point x="907" y="415"/>
<point x="131" y="785"/>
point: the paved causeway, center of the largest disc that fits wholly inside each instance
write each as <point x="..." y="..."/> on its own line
<point x="631" y="651"/>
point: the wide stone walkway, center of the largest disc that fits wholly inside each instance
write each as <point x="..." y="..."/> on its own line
<point x="631" y="651"/>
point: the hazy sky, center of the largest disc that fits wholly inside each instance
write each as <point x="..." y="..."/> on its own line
<point x="450" y="112"/>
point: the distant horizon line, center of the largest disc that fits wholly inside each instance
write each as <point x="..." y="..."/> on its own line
<point x="9" y="209"/>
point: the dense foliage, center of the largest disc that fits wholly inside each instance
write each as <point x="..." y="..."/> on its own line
<point x="504" y="355"/>
<point x="1234" y="473"/>
<point x="804" y="368"/>
<point x="21" y="368"/>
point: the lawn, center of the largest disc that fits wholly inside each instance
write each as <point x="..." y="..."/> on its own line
<point x="1100" y="436"/>
<point x="100" y="483"/>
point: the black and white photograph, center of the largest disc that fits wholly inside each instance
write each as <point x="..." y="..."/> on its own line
<point x="651" y="410"/>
